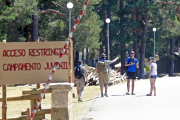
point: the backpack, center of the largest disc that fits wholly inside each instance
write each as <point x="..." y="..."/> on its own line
<point x="78" y="72"/>
<point x="126" y="67"/>
<point x="101" y="67"/>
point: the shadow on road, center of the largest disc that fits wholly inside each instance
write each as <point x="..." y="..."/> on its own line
<point x="140" y="95"/>
<point x="129" y="95"/>
<point x="87" y="119"/>
<point x="118" y="95"/>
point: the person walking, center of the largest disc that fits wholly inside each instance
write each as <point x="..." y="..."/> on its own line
<point x="132" y="63"/>
<point x="152" y="76"/>
<point x="101" y="69"/>
<point x="80" y="74"/>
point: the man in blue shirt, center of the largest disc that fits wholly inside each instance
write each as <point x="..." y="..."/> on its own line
<point x="132" y="64"/>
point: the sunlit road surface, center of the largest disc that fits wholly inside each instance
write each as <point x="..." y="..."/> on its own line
<point x="119" y="106"/>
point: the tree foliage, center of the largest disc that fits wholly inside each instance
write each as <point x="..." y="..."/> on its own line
<point x="130" y="28"/>
<point x="14" y="16"/>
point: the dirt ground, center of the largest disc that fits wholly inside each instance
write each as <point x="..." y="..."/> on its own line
<point x="14" y="108"/>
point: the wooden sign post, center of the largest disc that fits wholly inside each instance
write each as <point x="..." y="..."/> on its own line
<point x="70" y="75"/>
<point x="28" y="114"/>
<point x="4" y="103"/>
<point x="4" y="100"/>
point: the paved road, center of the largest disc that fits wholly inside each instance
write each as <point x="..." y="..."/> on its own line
<point x="119" y="106"/>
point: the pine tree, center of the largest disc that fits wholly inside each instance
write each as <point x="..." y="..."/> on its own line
<point x="87" y="32"/>
<point x="15" y="15"/>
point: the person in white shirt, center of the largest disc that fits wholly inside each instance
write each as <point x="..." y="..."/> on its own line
<point x="152" y="76"/>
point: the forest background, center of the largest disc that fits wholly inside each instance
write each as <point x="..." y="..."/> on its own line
<point x="131" y="26"/>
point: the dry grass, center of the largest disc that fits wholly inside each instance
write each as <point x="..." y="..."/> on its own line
<point x="14" y="108"/>
<point x="81" y="108"/>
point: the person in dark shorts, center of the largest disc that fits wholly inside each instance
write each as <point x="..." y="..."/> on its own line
<point x="132" y="64"/>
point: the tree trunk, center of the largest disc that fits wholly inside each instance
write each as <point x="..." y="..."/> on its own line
<point x="167" y="50"/>
<point x="4" y="2"/>
<point x="110" y="42"/>
<point x="83" y="55"/>
<point x="111" y="54"/>
<point x="86" y="56"/>
<point x="122" y="41"/>
<point x="171" y="59"/>
<point x="178" y="46"/>
<point x="101" y="46"/>
<point x="135" y="43"/>
<point x="77" y="58"/>
<point x="92" y="61"/>
<point x="105" y="31"/>
<point x="143" y="46"/>
<point x="35" y="25"/>
<point x="106" y="40"/>
<point x="101" y="50"/>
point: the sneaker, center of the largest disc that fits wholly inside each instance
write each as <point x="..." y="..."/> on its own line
<point x="105" y="94"/>
<point x="127" y="93"/>
<point x="133" y="94"/>
<point x="102" y="95"/>
<point x="80" y="100"/>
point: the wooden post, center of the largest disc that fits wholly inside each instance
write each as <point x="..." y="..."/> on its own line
<point x="28" y="114"/>
<point x="70" y="64"/>
<point x="38" y="85"/>
<point x="4" y="103"/>
<point x="4" y="100"/>
<point x="33" y="102"/>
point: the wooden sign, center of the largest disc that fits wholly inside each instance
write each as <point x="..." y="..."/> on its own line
<point x="32" y="62"/>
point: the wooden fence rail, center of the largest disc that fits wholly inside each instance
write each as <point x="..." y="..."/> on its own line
<point x="25" y="92"/>
<point x="40" y="112"/>
<point x="36" y="117"/>
<point x="23" y="97"/>
<point x="32" y="95"/>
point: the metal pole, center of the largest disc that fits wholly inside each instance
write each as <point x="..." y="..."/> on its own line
<point x="154" y="44"/>
<point x="69" y="21"/>
<point x="108" y="54"/>
<point x="108" y="41"/>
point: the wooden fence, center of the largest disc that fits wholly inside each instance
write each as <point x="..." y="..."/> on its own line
<point x="31" y="95"/>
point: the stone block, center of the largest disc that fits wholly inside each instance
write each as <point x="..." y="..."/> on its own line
<point x="61" y="105"/>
